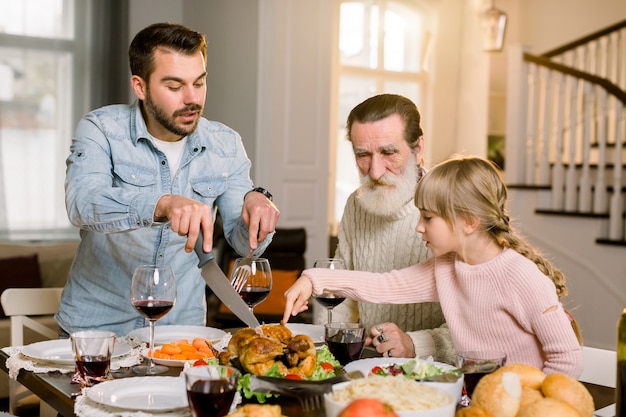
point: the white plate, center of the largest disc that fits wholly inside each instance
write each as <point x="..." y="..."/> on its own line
<point x="366" y="365"/>
<point x="169" y="362"/>
<point x="151" y="393"/>
<point x="59" y="351"/>
<point x="314" y="331"/>
<point x="169" y="333"/>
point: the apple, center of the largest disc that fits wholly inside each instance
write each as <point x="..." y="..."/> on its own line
<point x="367" y="407"/>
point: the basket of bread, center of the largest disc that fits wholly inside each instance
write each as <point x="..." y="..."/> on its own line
<point x="520" y="390"/>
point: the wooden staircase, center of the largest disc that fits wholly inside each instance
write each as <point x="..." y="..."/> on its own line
<point x="566" y="128"/>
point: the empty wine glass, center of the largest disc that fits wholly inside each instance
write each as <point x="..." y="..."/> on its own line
<point x="153" y="294"/>
<point x="258" y="285"/>
<point x="328" y="300"/>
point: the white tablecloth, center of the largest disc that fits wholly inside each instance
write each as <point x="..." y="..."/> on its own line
<point x="19" y="361"/>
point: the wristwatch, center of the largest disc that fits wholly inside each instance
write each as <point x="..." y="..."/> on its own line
<point x="262" y="191"/>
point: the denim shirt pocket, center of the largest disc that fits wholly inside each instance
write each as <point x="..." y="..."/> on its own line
<point x="134" y="176"/>
<point x="208" y="189"/>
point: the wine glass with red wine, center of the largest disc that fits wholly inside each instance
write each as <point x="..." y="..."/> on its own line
<point x="328" y="300"/>
<point x="211" y="389"/>
<point x="257" y="287"/>
<point x="153" y="294"/>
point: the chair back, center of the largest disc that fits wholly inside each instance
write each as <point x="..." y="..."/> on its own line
<point x="20" y="304"/>
<point x="287" y="260"/>
<point x="600" y="366"/>
<point x="23" y="306"/>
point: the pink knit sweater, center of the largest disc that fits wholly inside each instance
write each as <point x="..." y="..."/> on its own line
<point x="501" y="305"/>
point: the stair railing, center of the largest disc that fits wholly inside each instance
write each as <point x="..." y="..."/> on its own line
<point x="605" y="50"/>
<point x="565" y="112"/>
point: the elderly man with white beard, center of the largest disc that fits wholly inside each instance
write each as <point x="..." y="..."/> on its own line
<point x="377" y="230"/>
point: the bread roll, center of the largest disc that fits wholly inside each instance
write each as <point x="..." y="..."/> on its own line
<point x="529" y="376"/>
<point x="529" y="395"/>
<point x="548" y="407"/>
<point x="498" y="393"/>
<point x="473" y="411"/>
<point x="257" y="410"/>
<point x="569" y="390"/>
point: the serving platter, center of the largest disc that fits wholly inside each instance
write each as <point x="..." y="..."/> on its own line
<point x="169" y="333"/>
<point x="314" y="331"/>
<point x="59" y="351"/>
<point x="153" y="393"/>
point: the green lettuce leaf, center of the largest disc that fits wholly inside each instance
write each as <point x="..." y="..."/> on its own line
<point x="261" y="397"/>
<point x="324" y="356"/>
<point x="417" y="369"/>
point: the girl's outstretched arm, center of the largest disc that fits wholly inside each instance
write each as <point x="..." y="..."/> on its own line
<point x="297" y="297"/>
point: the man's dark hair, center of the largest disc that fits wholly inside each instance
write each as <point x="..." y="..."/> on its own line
<point x="384" y="105"/>
<point x="164" y="35"/>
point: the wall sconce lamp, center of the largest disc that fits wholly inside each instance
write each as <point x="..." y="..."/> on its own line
<point x="493" y="23"/>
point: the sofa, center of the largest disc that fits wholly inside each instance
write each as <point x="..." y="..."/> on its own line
<point x="36" y="264"/>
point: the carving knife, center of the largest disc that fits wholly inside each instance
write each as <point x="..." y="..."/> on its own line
<point x="220" y="285"/>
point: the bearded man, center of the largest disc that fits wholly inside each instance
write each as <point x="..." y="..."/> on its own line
<point x="143" y="181"/>
<point x="377" y="230"/>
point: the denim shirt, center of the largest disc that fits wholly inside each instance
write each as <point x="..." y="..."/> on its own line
<point x="114" y="178"/>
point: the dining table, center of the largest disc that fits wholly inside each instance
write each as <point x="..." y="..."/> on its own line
<point x="58" y="390"/>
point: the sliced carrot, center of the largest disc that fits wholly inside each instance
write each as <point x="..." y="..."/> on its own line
<point x="160" y="355"/>
<point x="195" y="355"/>
<point x="178" y="357"/>
<point x="181" y="349"/>
<point x="170" y="349"/>
<point x="187" y="348"/>
<point x="201" y="343"/>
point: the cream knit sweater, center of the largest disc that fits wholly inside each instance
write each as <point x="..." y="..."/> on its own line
<point x="503" y="304"/>
<point x="380" y="244"/>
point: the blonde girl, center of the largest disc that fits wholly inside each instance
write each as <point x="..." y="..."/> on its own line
<point x="496" y="291"/>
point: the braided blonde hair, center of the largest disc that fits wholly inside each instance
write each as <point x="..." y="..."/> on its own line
<point x="470" y="186"/>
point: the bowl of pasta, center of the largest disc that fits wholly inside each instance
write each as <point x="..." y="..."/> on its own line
<point x="410" y="368"/>
<point x="408" y="398"/>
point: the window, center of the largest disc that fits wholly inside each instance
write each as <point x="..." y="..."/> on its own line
<point x="383" y="48"/>
<point x="43" y="67"/>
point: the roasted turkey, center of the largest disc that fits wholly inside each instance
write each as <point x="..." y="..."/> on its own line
<point x="257" y="350"/>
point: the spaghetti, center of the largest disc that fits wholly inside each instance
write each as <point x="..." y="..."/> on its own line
<point x="398" y="392"/>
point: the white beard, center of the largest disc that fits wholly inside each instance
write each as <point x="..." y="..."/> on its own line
<point x="390" y="193"/>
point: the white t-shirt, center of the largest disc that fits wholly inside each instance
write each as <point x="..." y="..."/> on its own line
<point x="172" y="150"/>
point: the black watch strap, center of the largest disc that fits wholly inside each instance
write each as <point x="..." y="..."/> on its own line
<point x="262" y="191"/>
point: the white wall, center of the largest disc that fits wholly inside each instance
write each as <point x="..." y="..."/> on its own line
<point x="595" y="273"/>
<point x="548" y="24"/>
